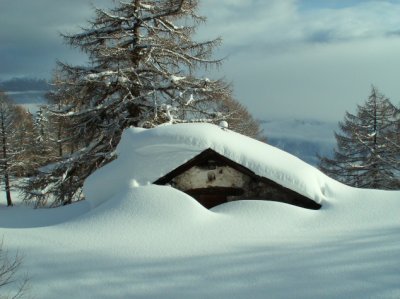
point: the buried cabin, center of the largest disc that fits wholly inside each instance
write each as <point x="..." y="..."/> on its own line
<point x="213" y="179"/>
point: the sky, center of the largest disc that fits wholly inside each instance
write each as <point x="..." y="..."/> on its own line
<point x="285" y="58"/>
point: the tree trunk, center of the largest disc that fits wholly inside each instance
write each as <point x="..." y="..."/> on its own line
<point x="5" y="166"/>
<point x="8" y="189"/>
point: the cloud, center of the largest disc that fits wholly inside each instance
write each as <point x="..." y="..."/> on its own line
<point x="318" y="81"/>
<point x="287" y="61"/>
<point x="368" y="19"/>
<point x="282" y="23"/>
<point x="29" y="34"/>
<point x="242" y="23"/>
<point x="285" y="57"/>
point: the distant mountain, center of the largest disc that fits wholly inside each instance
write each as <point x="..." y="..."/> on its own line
<point x="28" y="92"/>
<point x="31" y="100"/>
<point x="302" y="138"/>
<point x="24" y="84"/>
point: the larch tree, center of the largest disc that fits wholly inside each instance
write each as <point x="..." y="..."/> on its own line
<point x="9" y="149"/>
<point x="45" y="133"/>
<point x="24" y="142"/>
<point x="142" y="72"/>
<point x="366" y="154"/>
<point x="53" y="130"/>
<point x="240" y="120"/>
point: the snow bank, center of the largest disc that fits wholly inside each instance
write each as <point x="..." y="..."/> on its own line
<point x="146" y="205"/>
<point x="157" y="242"/>
<point x="21" y="216"/>
<point x="144" y="155"/>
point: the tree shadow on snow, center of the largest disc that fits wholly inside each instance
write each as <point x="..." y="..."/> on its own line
<point x="362" y="265"/>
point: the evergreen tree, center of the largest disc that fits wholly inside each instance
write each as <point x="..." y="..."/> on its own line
<point x="143" y="72"/>
<point x="365" y="155"/>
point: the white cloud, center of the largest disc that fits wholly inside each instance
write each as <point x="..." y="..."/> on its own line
<point x="287" y="61"/>
<point x="318" y="81"/>
<point x="243" y="23"/>
<point x="366" y="20"/>
<point x="282" y="22"/>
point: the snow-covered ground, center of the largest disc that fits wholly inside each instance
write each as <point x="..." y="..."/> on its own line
<point x="131" y="239"/>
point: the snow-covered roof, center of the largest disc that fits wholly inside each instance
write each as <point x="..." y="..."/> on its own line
<point x="145" y="155"/>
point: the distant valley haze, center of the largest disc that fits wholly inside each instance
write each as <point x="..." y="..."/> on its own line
<point x="304" y="138"/>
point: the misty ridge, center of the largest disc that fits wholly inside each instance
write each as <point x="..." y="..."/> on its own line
<point x="24" y="84"/>
<point x="304" y="138"/>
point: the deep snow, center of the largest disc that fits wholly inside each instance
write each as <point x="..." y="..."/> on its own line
<point x="131" y="239"/>
<point x="146" y="155"/>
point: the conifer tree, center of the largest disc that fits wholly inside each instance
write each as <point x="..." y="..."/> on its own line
<point x="143" y="72"/>
<point x="16" y="157"/>
<point x="366" y="154"/>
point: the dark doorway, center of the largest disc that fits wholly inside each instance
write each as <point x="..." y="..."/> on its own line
<point x="214" y="196"/>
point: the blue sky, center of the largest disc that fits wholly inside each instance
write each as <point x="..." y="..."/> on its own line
<point x="285" y="58"/>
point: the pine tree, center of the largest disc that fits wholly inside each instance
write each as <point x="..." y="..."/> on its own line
<point x="143" y="72"/>
<point x="365" y="155"/>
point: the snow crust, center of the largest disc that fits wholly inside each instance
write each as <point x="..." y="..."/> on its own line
<point x="132" y="239"/>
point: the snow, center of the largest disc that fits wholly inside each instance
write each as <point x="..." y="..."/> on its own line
<point x="190" y="101"/>
<point x="132" y="239"/>
<point x="146" y="6"/>
<point x="176" y="79"/>
<point x="224" y="124"/>
<point x="146" y="155"/>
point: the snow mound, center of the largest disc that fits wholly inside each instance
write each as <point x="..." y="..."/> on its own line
<point x="135" y="206"/>
<point x="144" y="155"/>
<point x="21" y="216"/>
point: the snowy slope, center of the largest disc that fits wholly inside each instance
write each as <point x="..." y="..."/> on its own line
<point x="145" y="241"/>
